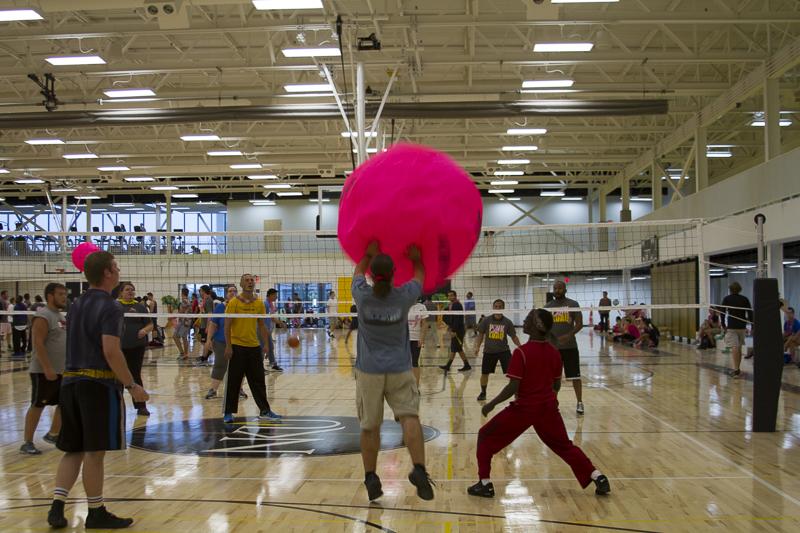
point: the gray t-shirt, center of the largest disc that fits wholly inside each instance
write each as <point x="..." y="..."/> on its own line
<point x="383" y="345"/>
<point x="55" y="343"/>
<point x="562" y="323"/>
<point x="496" y="334"/>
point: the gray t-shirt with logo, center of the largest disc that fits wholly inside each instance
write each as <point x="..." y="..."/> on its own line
<point x="562" y="323"/>
<point x="383" y="344"/>
<point x="496" y="333"/>
<point x="55" y="343"/>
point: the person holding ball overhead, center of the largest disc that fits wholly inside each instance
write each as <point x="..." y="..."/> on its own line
<point x="383" y="363"/>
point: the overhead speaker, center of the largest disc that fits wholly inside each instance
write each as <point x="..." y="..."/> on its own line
<point x="171" y="15"/>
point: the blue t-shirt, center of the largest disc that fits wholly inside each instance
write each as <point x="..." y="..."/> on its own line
<point x="791" y="329"/>
<point x="219" y="335"/>
<point x="383" y="344"/>
<point x="92" y="315"/>
<point x="20" y="320"/>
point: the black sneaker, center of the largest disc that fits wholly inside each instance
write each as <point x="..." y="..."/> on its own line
<point x="735" y="373"/>
<point x="100" y="518"/>
<point x="373" y="484"/>
<point x="602" y="484"/>
<point x="465" y="368"/>
<point x="479" y="489"/>
<point x="55" y="517"/>
<point x="482" y="397"/>
<point x="28" y="448"/>
<point x="276" y="368"/>
<point x="211" y="394"/>
<point x="50" y="438"/>
<point x="419" y="478"/>
<point x="446" y="368"/>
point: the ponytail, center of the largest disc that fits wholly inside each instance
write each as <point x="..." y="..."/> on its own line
<point x="382" y="288"/>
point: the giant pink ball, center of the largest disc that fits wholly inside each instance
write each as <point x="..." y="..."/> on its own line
<point x="412" y="194"/>
<point x="81" y="252"/>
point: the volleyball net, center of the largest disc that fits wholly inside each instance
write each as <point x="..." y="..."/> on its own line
<point x="651" y="266"/>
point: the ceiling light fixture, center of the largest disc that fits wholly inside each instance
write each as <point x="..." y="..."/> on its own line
<point x="14" y="15"/>
<point x="572" y="199"/>
<point x="185" y="195"/>
<point x="503" y="182"/>
<point x="501" y="191"/>
<point x="348" y="134"/>
<point x="80" y="156"/>
<point x="224" y="153"/>
<point x="129" y="93"/>
<point x="266" y="5"/>
<point x="546" y="84"/>
<point x="164" y="188"/>
<point x="551" y="193"/>
<point x="36" y="142"/>
<point x="509" y="172"/>
<point x="308" y="88"/>
<point x="67" y="61"/>
<point x="200" y="137"/>
<point x="29" y="181"/>
<point x="64" y="189"/>
<point x="524" y="148"/>
<point x="137" y="179"/>
<point x="327" y="51"/>
<point x="90" y="197"/>
<point x="119" y="168"/>
<point x="290" y="193"/>
<point x="316" y="200"/>
<point x="563" y="47"/>
<point x="245" y="166"/>
<point x="513" y="161"/>
<point x="526" y="131"/>
<point x="277" y="186"/>
<point x="263" y="177"/>
<point x="719" y="155"/>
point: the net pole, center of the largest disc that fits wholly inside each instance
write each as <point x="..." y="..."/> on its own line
<point x="704" y="285"/>
<point x="767" y="343"/>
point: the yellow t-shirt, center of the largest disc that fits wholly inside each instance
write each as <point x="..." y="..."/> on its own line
<point x="243" y="330"/>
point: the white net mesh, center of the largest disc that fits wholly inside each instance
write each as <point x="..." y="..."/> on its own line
<point x="650" y="265"/>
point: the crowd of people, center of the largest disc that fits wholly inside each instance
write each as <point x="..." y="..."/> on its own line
<point x="81" y="365"/>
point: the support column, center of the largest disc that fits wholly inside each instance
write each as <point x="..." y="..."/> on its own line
<point x="64" y="227"/>
<point x="589" y="207"/>
<point x="361" y="113"/>
<point x="655" y="186"/>
<point x="701" y="159"/>
<point x="601" y="206"/>
<point x="169" y="223"/>
<point x="625" y="212"/>
<point x="772" y="117"/>
<point x="775" y="262"/>
<point x="88" y="221"/>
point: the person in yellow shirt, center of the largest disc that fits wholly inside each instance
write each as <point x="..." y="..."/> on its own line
<point x="244" y="352"/>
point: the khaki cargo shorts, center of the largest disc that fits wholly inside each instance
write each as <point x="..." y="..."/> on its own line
<point x="399" y="390"/>
<point x="734" y="338"/>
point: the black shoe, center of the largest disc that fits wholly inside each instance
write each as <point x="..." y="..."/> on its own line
<point x="55" y="517"/>
<point x="602" y="484"/>
<point x="419" y="478"/>
<point x="142" y="411"/>
<point x="482" y="397"/>
<point x="100" y="518"/>
<point x="479" y="489"/>
<point x="373" y="484"/>
<point x="465" y="368"/>
<point x="735" y="373"/>
<point x="446" y="368"/>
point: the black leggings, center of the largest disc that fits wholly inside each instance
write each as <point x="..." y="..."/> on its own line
<point x="135" y="358"/>
<point x="20" y="340"/>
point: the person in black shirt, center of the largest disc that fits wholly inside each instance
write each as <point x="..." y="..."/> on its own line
<point x="92" y="408"/>
<point x="455" y="324"/>
<point x="739" y="313"/>
<point x="353" y="323"/>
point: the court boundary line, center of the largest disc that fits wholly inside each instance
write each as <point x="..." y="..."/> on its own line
<point x="708" y="449"/>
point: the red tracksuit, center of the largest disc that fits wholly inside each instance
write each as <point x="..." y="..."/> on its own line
<point x="536" y="365"/>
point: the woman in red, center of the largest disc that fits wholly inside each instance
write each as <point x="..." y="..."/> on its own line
<point x="534" y="378"/>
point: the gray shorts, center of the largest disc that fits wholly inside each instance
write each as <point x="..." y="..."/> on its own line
<point x="220" y="363"/>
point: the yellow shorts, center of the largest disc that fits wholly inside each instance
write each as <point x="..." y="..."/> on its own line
<point x="399" y="390"/>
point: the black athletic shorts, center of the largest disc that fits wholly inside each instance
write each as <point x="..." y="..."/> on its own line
<point x="415" y="350"/>
<point x="457" y="341"/>
<point x="490" y="361"/>
<point x="572" y="363"/>
<point x="93" y="416"/>
<point x="354" y="323"/>
<point x="43" y="391"/>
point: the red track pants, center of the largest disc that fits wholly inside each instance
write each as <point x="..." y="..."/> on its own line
<point x="512" y="422"/>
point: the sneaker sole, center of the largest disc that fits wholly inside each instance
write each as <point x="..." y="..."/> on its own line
<point x="479" y="495"/>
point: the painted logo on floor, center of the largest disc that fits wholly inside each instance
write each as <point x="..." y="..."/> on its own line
<point x="248" y="437"/>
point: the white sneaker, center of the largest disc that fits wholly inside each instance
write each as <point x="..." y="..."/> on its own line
<point x="579" y="408"/>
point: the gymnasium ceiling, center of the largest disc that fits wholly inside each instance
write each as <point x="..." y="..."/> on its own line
<point x="222" y="53"/>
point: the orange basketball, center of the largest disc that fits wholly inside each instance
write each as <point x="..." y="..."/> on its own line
<point x="293" y="341"/>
